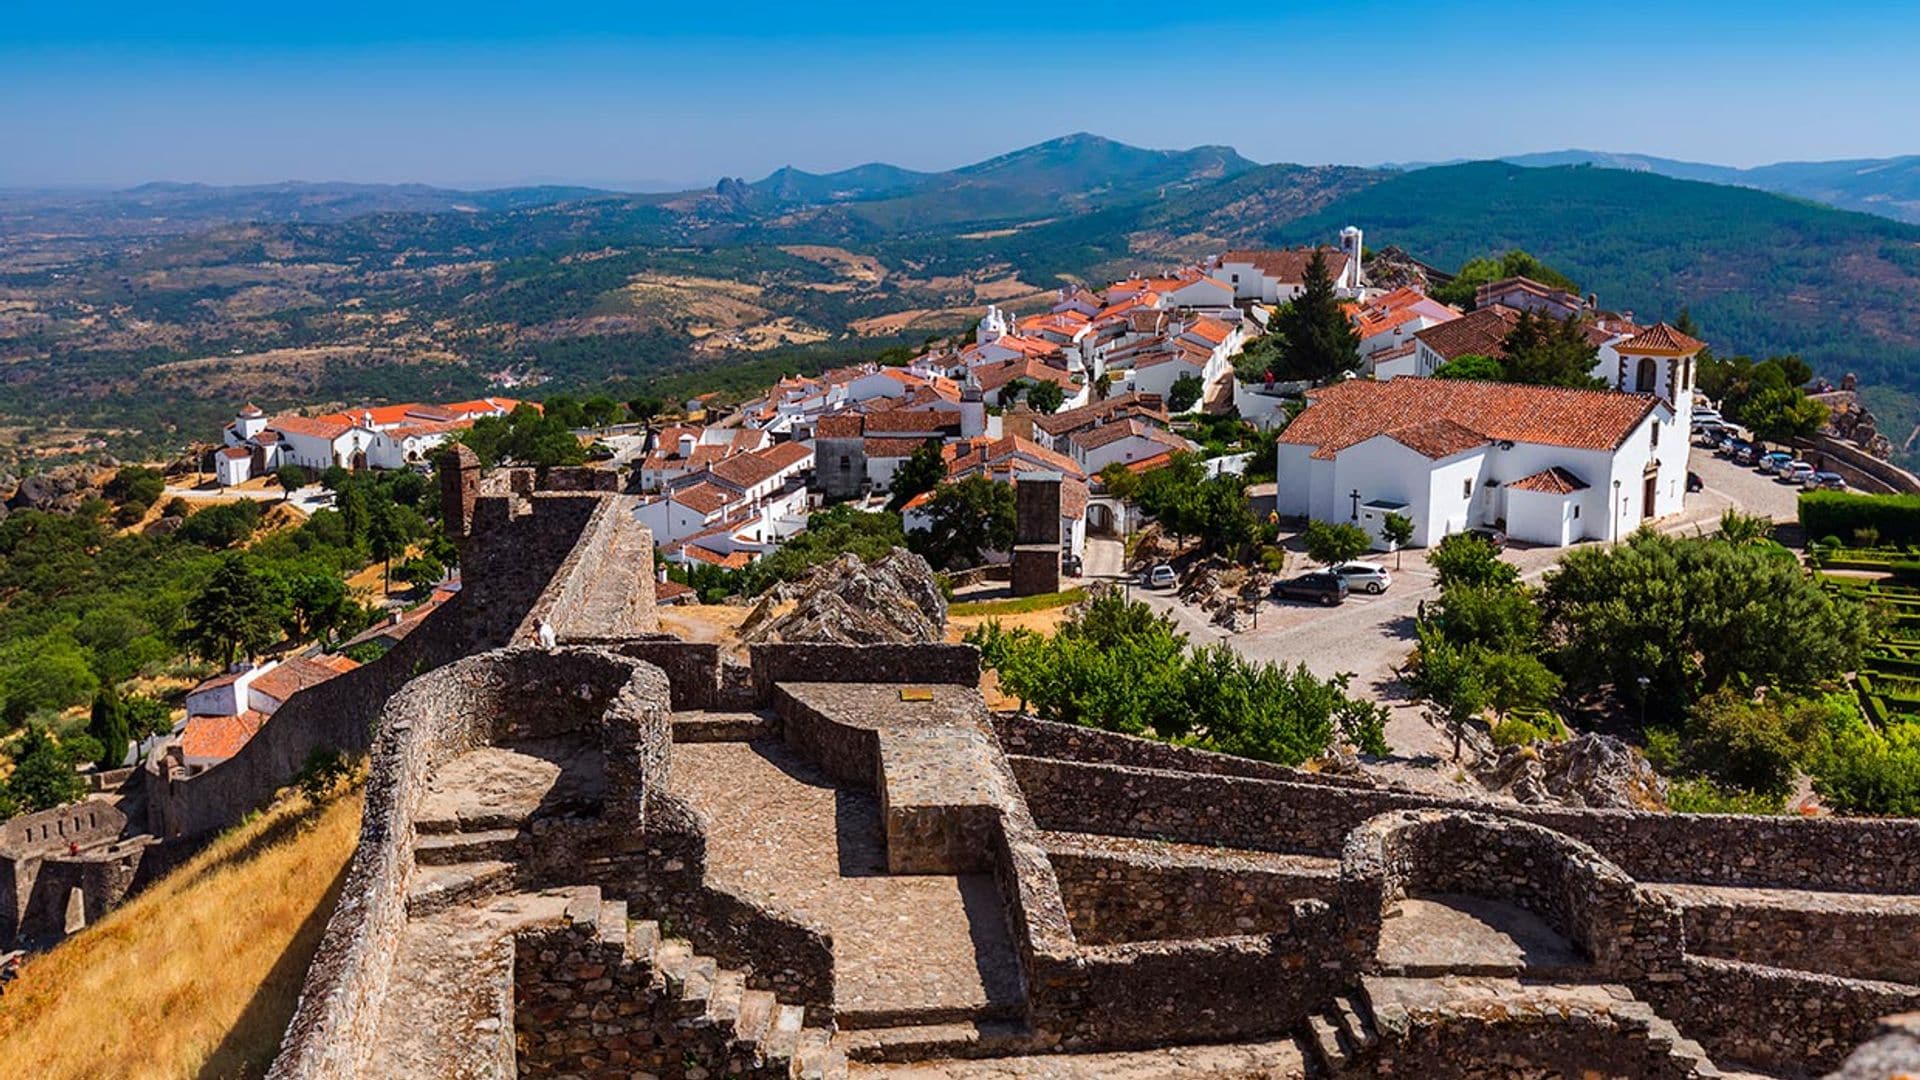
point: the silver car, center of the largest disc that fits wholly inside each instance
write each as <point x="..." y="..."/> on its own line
<point x="1365" y="577"/>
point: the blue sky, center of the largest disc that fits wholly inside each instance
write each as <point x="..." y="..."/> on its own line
<point x="479" y="94"/>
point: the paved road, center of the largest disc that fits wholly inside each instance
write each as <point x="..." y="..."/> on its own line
<point x="306" y="500"/>
<point x="1370" y="636"/>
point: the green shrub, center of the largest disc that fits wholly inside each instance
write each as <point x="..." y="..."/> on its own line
<point x="1516" y="732"/>
<point x="1702" y="796"/>
<point x="1888" y="519"/>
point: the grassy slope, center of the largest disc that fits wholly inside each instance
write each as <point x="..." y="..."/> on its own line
<point x="199" y="974"/>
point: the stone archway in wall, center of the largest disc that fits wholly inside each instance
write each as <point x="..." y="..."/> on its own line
<point x="359" y="461"/>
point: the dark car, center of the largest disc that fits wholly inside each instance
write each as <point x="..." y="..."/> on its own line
<point x="1323" y="587"/>
<point x="1070" y="565"/>
<point x="1694" y="483"/>
<point x="1491" y="535"/>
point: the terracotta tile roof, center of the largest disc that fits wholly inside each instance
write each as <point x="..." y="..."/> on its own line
<point x="733" y="560"/>
<point x="1436" y="438"/>
<point x="310" y="427"/>
<point x="847" y="425"/>
<point x="219" y="737"/>
<point x="895" y="421"/>
<point x="1157" y="461"/>
<point x="1483" y="332"/>
<point x="1395" y="353"/>
<point x="702" y="498"/>
<point x="983" y="453"/>
<point x="747" y="470"/>
<point x="218" y="681"/>
<point x="266" y="437"/>
<point x="1354" y="411"/>
<point x="1113" y="431"/>
<point x="487" y="405"/>
<point x="1493" y="290"/>
<point x="1661" y="340"/>
<point x="1149" y="405"/>
<point x="1554" y="481"/>
<point x="995" y="376"/>
<point x="671" y="592"/>
<point x="885" y="448"/>
<point x="1211" y="330"/>
<point x="388" y="415"/>
<point x="236" y="453"/>
<point x="289" y="677"/>
<point x="250" y="410"/>
<point x="1288" y="266"/>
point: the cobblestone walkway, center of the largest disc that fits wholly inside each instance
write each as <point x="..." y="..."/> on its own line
<point x="1278" y="1060"/>
<point x="907" y="948"/>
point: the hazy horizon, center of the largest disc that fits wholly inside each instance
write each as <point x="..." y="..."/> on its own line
<point x="473" y="96"/>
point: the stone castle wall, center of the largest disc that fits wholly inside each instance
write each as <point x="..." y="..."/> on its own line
<point x="1824" y="932"/>
<point x="1116" y="893"/>
<point x="460" y="707"/>
<point x="1792" y="1021"/>
<point x="1878" y="856"/>
<point x="939" y="664"/>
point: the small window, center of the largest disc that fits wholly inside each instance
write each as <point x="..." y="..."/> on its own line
<point x="1466" y="489"/>
<point x="1656" y="436"/>
<point x="1576" y="511"/>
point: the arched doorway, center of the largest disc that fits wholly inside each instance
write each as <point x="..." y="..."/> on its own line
<point x="1645" y="377"/>
<point x="359" y="461"/>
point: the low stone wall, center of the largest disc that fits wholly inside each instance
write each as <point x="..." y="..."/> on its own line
<point x="604" y="586"/>
<point x="1834" y="854"/>
<point x="949" y="664"/>
<point x="1514" y="1045"/>
<point x="1627" y="932"/>
<point x="1827" y="932"/>
<point x="1031" y="737"/>
<point x="1116" y="893"/>
<point x="848" y="754"/>
<point x="692" y="667"/>
<point x="463" y="706"/>
<point x="48" y="832"/>
<point x="1859" y="468"/>
<point x="1792" y="1022"/>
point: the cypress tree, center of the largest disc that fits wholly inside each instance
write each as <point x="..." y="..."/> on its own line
<point x="1316" y="340"/>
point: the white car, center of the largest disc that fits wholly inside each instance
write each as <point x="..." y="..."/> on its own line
<point x="1365" y="577"/>
<point x="1160" y="577"/>
<point x="1794" y="472"/>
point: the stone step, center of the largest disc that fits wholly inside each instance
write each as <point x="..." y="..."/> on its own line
<point x="817" y="1058"/>
<point x="750" y="1024"/>
<point x="696" y="987"/>
<point x="437" y="888"/>
<point x="783" y="1034"/>
<point x="1355" y="1024"/>
<point x="1323" y="1040"/>
<point x="859" y="1019"/>
<point x="445" y="849"/>
<point x="723" y="1005"/>
<point x="921" y="1042"/>
<point x="670" y="962"/>
<point x="695" y="726"/>
<point x="643" y="941"/>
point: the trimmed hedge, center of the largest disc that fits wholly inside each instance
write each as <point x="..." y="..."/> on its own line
<point x="1838" y="513"/>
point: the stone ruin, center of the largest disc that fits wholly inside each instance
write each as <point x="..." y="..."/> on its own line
<point x="627" y="857"/>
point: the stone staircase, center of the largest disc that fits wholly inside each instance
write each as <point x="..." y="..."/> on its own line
<point x="1350" y="1035"/>
<point x="704" y="726"/>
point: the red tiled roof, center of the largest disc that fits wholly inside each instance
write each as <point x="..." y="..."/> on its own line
<point x="310" y="427"/>
<point x="1354" y="411"/>
<point x="1554" y="481"/>
<point x="703" y="498"/>
<point x="985" y="453"/>
<point x="292" y="676"/>
<point x="236" y="453"/>
<point x="671" y="592"/>
<point x="1483" y="332"/>
<point x="747" y="470"/>
<point x="894" y="421"/>
<point x="1289" y="266"/>
<point x="995" y="376"/>
<point x="1436" y="438"/>
<point x="1210" y="329"/>
<point x="1661" y="340"/>
<point x="219" y="737"/>
<point x="847" y="425"/>
<point x="733" y="560"/>
<point x="1115" y="430"/>
<point x="385" y="415"/>
<point x="1150" y="405"/>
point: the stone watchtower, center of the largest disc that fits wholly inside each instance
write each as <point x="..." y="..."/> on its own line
<point x="459" y="471"/>
<point x="1036" y="533"/>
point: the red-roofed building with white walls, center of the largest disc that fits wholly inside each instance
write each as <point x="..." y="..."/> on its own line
<point x="1552" y="466"/>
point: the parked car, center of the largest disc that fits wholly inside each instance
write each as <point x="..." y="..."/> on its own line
<point x="1365" y="576"/>
<point x="1490" y="534"/>
<point x="1694" y="483"/>
<point x="1704" y="415"/>
<point x="1744" y="454"/>
<point x="1773" y="461"/>
<point x="1070" y="565"/>
<point x="1323" y="587"/>
<point x="1731" y="446"/>
<point x="1160" y="577"/>
<point x="1709" y="434"/>
<point x="1794" y="472"/>
<point x="1831" y="481"/>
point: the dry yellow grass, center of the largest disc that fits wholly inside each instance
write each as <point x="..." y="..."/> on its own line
<point x="198" y="975"/>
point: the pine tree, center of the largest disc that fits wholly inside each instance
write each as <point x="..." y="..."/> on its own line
<point x="1317" y="341"/>
<point x="237" y="611"/>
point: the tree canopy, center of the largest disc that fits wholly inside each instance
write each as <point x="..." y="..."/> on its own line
<point x="1315" y="338"/>
<point x="966" y="519"/>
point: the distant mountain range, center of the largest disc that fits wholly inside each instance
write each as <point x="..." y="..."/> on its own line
<point x="1889" y="187"/>
<point x="377" y="287"/>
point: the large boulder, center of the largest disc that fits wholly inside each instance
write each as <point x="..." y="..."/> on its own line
<point x="895" y="599"/>
<point x="1584" y="771"/>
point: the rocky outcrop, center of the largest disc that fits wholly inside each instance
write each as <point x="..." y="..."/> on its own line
<point x="847" y="601"/>
<point x="59" y="491"/>
<point x="1585" y="771"/>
